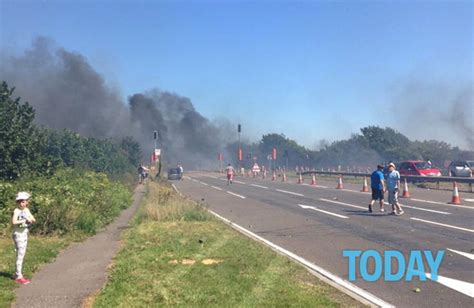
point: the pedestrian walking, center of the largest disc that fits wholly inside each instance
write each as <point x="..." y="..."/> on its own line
<point x="377" y="184"/>
<point x="22" y="219"/>
<point x="393" y="185"/>
<point x="230" y="173"/>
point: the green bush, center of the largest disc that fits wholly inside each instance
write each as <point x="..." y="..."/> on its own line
<point x="69" y="201"/>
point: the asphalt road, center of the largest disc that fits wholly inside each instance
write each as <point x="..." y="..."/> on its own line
<point x="319" y="222"/>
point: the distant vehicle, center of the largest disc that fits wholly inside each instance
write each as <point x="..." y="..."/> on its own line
<point x="174" y="174"/>
<point x="463" y="168"/>
<point x="417" y="167"/>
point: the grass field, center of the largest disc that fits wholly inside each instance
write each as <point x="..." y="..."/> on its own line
<point x="178" y="255"/>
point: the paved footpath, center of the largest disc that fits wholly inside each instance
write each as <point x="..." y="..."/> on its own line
<point x="80" y="270"/>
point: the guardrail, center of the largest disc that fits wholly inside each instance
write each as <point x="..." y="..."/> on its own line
<point x="409" y="178"/>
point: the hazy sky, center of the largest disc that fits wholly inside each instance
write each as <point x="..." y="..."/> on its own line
<point x="309" y="69"/>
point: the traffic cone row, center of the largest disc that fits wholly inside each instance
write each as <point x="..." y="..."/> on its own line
<point x="339" y="183"/>
<point x="406" y="193"/>
<point x="456" y="199"/>
<point x="365" y="188"/>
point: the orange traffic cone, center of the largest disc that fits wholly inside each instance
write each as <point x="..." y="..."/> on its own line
<point x="339" y="183"/>
<point x="456" y="199"/>
<point x="313" y="180"/>
<point x="300" y="179"/>
<point x="284" y="177"/>
<point x="365" y="188"/>
<point x="406" y="193"/>
<point x="274" y="176"/>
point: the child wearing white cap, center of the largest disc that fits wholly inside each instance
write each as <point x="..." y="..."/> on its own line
<point x="21" y="220"/>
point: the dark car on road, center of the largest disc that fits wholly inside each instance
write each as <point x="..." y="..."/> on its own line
<point x="462" y="168"/>
<point x="174" y="174"/>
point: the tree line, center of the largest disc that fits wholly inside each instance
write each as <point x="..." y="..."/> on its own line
<point x="373" y="145"/>
<point x="27" y="149"/>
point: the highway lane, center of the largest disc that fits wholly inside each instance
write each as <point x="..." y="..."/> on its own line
<point x="272" y="209"/>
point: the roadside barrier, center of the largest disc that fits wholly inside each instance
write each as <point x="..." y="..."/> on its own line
<point x="456" y="199"/>
<point x="365" y="188"/>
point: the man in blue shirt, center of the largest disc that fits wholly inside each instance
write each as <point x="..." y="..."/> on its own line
<point x="378" y="187"/>
<point x="393" y="184"/>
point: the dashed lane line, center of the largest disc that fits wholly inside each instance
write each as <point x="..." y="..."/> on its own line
<point x="205" y="184"/>
<point x="445" y="203"/>
<point x="422" y="209"/>
<point x="443" y="225"/>
<point x="239" y="182"/>
<point x="322" y="211"/>
<point x="462" y="253"/>
<point x="215" y="187"/>
<point x="260" y="186"/>
<point x="290" y="192"/>
<point x="237" y="195"/>
<point x="463" y="287"/>
<point x="343" y="203"/>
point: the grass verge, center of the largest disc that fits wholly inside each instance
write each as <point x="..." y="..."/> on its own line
<point x="41" y="250"/>
<point x="178" y="255"/>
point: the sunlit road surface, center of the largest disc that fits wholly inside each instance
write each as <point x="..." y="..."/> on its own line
<point x="318" y="222"/>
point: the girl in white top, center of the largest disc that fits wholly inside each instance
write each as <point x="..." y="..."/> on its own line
<point x="21" y="220"/>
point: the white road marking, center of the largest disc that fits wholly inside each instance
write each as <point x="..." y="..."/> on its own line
<point x="289" y="192"/>
<point x="215" y="187"/>
<point x="469" y="200"/>
<point x="320" y="186"/>
<point x="464" y="254"/>
<point x="421" y="209"/>
<point x="427" y="210"/>
<point x="323" y="274"/>
<point x="194" y="180"/>
<point x="342" y="203"/>
<point x="264" y="187"/>
<point x="205" y="184"/>
<point x="445" y="203"/>
<point x="356" y="191"/>
<point x="322" y="211"/>
<point x="443" y="225"/>
<point x="209" y="176"/>
<point x="458" y="285"/>
<point x="239" y="182"/>
<point x="240" y="196"/>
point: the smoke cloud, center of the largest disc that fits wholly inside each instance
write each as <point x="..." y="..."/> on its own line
<point x="67" y="92"/>
<point x="435" y="111"/>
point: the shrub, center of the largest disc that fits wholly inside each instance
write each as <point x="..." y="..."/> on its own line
<point x="69" y="201"/>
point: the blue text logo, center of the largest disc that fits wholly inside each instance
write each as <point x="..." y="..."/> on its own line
<point x="415" y="267"/>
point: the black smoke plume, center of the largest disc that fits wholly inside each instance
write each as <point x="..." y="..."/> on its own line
<point x="67" y="92"/>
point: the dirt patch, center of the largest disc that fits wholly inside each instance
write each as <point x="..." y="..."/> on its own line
<point x="188" y="261"/>
<point x="211" y="261"/>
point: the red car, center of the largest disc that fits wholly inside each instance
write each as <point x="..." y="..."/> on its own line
<point x="418" y="167"/>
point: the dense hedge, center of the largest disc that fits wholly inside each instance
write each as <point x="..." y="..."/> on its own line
<point x="26" y="149"/>
<point x="70" y="201"/>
